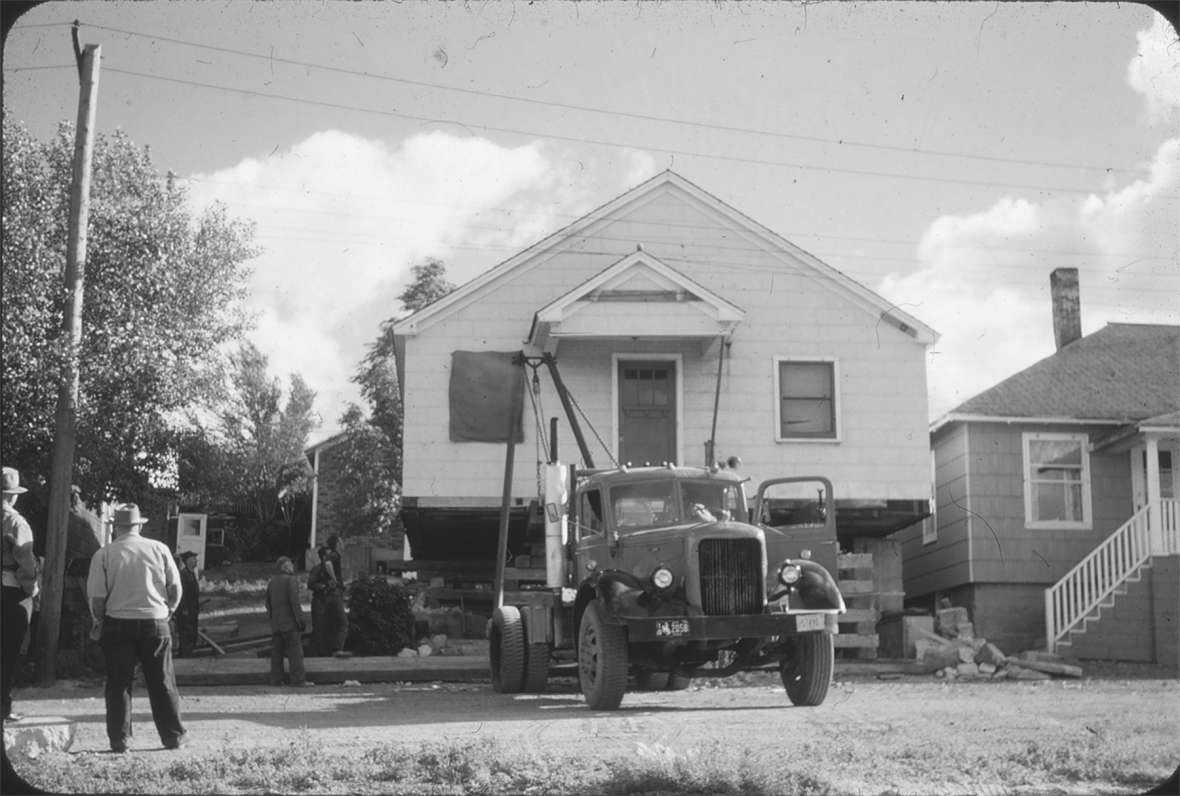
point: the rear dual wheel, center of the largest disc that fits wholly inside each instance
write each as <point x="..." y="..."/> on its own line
<point x="517" y="663"/>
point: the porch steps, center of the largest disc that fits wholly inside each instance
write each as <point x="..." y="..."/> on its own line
<point x="1095" y="616"/>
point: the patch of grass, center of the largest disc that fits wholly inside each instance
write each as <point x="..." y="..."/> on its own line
<point x="658" y="769"/>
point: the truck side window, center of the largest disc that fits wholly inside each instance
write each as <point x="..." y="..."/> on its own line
<point x="590" y="512"/>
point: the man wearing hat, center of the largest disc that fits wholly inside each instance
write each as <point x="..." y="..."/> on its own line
<point x="134" y="586"/>
<point x="19" y="586"/>
<point x="286" y="624"/>
<point x="190" y="604"/>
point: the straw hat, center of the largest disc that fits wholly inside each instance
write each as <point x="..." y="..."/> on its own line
<point x="12" y="482"/>
<point x="126" y="516"/>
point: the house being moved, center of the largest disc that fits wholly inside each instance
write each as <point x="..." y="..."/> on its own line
<point x="685" y="332"/>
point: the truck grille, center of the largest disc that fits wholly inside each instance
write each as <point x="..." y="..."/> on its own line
<point x="731" y="576"/>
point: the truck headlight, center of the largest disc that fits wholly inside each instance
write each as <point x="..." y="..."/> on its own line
<point x="789" y="574"/>
<point x="662" y="578"/>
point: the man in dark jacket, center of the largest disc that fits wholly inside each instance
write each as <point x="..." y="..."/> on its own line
<point x="190" y="604"/>
<point x="286" y="624"/>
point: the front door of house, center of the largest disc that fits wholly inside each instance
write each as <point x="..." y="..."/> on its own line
<point x="647" y="412"/>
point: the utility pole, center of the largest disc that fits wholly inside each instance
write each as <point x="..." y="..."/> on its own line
<point x="61" y="474"/>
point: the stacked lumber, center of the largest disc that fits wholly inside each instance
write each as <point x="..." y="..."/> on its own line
<point x="954" y="652"/>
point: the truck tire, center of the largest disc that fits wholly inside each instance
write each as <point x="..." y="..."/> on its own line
<point x="506" y="650"/>
<point x="536" y="665"/>
<point x="602" y="659"/>
<point x="807" y="672"/>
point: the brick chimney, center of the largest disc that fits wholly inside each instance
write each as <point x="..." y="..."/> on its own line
<point x="1067" y="309"/>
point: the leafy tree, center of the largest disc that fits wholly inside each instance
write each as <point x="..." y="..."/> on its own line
<point x="428" y="285"/>
<point x="163" y="295"/>
<point x="368" y="495"/>
<point x="253" y="452"/>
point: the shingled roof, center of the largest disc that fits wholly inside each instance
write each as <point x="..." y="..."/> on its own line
<point x="1124" y="372"/>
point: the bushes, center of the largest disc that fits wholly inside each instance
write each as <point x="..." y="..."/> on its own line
<point x="380" y="620"/>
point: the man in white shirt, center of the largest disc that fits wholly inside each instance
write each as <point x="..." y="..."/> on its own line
<point x="134" y="587"/>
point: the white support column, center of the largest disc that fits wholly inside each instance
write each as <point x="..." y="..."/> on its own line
<point x="1154" y="519"/>
<point x="310" y="558"/>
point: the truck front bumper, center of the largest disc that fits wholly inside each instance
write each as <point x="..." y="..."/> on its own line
<point x="710" y="628"/>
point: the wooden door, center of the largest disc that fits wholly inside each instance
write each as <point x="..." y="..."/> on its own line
<point x="647" y="412"/>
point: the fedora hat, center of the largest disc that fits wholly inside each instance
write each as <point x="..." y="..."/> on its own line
<point x="12" y="482"/>
<point x="127" y="515"/>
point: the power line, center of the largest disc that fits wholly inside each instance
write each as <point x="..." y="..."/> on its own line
<point x="618" y="113"/>
<point x="599" y="142"/>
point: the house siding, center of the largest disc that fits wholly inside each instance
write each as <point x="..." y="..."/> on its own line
<point x="1004" y="549"/>
<point x="1142" y="624"/>
<point x="943" y="564"/>
<point x="791" y="310"/>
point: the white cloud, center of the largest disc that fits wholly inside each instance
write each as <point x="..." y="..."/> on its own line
<point x="985" y="281"/>
<point x="1155" y="70"/>
<point x="342" y="219"/>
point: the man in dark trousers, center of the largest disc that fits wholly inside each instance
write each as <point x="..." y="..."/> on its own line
<point x="190" y="604"/>
<point x="134" y="586"/>
<point x="286" y="624"/>
<point x="335" y="612"/>
<point x="19" y="587"/>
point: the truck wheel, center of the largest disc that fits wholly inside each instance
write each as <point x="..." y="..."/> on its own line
<point x="807" y="672"/>
<point x="506" y="650"/>
<point x="536" y="665"/>
<point x="602" y="659"/>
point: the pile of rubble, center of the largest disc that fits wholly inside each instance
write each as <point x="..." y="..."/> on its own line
<point x="953" y="652"/>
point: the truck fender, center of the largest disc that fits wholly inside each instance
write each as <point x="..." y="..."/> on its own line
<point x="816" y="589"/>
<point x="620" y="593"/>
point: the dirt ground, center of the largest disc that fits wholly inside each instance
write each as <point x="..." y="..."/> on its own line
<point x="866" y="736"/>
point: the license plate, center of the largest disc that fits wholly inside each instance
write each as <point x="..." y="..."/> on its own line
<point x="807" y="622"/>
<point x="666" y="628"/>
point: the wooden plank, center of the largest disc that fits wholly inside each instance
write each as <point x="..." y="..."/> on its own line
<point x="855" y="587"/>
<point x="848" y="640"/>
<point x="1048" y="667"/>
<point x="854" y="561"/>
<point x="858" y="615"/>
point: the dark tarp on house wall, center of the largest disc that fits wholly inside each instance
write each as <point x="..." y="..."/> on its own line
<point x="484" y="385"/>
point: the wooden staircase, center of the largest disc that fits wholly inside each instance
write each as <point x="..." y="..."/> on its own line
<point x="1077" y="600"/>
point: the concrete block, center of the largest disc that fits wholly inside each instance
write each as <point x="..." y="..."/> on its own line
<point x="949" y="620"/>
<point x="968" y="670"/>
<point x="33" y="736"/>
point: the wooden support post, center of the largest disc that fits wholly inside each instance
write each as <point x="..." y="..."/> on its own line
<point x="62" y="469"/>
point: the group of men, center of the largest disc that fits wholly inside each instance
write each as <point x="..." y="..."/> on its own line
<point x="134" y="587"/>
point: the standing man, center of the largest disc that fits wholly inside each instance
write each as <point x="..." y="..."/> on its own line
<point x="19" y="586"/>
<point x="336" y="615"/>
<point x="134" y="586"/>
<point x="286" y="624"/>
<point x="190" y="604"/>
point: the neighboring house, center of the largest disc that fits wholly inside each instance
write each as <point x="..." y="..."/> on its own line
<point x="670" y="314"/>
<point x="326" y="473"/>
<point x="1056" y="497"/>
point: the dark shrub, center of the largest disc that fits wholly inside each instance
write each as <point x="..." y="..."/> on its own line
<point x="380" y="620"/>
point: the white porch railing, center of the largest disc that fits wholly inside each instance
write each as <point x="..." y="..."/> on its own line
<point x="1153" y="530"/>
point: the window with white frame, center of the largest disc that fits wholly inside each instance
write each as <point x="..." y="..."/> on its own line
<point x="807" y="405"/>
<point x="1056" y="481"/>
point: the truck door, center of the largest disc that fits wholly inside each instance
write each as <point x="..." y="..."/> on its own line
<point x="797" y="514"/>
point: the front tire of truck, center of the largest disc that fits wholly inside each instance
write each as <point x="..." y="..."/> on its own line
<point x="506" y="650"/>
<point x="807" y="671"/>
<point x="602" y="659"/>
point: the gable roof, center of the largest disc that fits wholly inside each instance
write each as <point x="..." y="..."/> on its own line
<point x="1122" y="373"/>
<point x="665" y="181"/>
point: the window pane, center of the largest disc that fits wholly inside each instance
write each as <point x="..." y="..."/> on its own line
<point x="1061" y="502"/>
<point x="1062" y="453"/>
<point x="806" y="416"/>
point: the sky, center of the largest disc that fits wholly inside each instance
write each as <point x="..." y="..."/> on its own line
<point x="948" y="155"/>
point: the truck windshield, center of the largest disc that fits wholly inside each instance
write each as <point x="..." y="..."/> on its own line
<point x="649" y="504"/>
